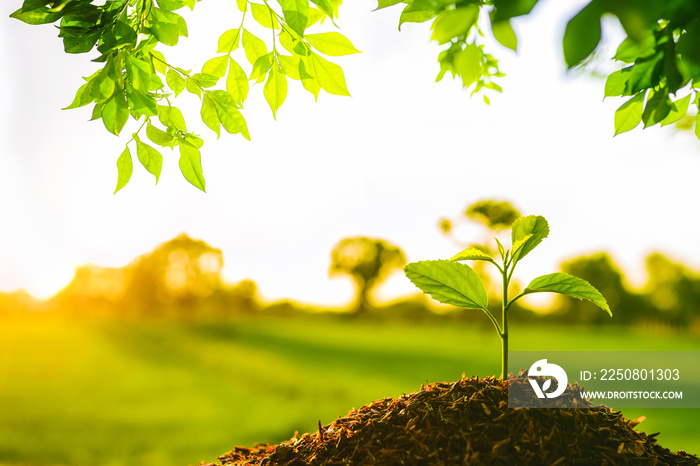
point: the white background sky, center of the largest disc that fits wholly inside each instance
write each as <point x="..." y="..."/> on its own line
<point x="388" y="162"/>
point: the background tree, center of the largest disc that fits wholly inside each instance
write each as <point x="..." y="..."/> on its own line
<point x="600" y="270"/>
<point x="495" y="215"/>
<point x="174" y="277"/>
<point x="659" y="60"/>
<point x="673" y="289"/>
<point x="367" y="261"/>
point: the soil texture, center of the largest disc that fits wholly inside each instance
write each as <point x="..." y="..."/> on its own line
<point x="466" y="423"/>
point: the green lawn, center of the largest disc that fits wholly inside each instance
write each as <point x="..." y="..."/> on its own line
<point x="168" y="394"/>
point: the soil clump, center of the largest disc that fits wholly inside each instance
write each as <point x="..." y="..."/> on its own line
<point x="466" y="423"/>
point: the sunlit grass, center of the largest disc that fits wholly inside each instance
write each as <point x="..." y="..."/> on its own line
<point x="167" y="394"/>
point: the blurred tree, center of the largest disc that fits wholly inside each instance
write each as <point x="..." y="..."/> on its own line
<point x="174" y="277"/>
<point x="368" y="261"/>
<point x="94" y="290"/>
<point x="601" y="271"/>
<point x="495" y="215"/>
<point x="16" y="303"/>
<point x="673" y="289"/>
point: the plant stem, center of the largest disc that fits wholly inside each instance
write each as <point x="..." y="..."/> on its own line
<point x="504" y="322"/>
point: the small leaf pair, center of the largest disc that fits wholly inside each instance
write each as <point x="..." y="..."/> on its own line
<point x="455" y="283"/>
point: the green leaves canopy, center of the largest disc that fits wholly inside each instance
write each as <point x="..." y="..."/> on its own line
<point x="136" y="80"/>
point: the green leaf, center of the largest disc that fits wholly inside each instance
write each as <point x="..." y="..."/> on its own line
<point x="314" y="17"/>
<point x="103" y="85"/>
<point x="326" y="6"/>
<point x="628" y="116"/>
<point x="38" y="16"/>
<point x="582" y="35"/>
<point x="262" y="66"/>
<point x="501" y="249"/>
<point x="164" y="18"/>
<point x="505" y="35"/>
<point x="209" y="116"/>
<point x="678" y="111"/>
<point x="158" y="61"/>
<point x="231" y="119"/>
<point x="171" y="117"/>
<point x="296" y="14"/>
<point x="175" y="82"/>
<point x="254" y="48"/>
<point x="193" y="88"/>
<point x="171" y="5"/>
<point x="275" y="90"/>
<point x="467" y="64"/>
<point x="80" y="44"/>
<point x="216" y="66"/>
<point x="534" y="225"/>
<point x="387" y="3"/>
<point x="193" y="140"/>
<point x="646" y="73"/>
<point x="125" y="168"/>
<point x="149" y="157"/>
<point x="418" y="11"/>
<point x="29" y="5"/>
<point x="115" y="113"/>
<point x="287" y="41"/>
<point x="97" y="111"/>
<point x="657" y="108"/>
<point x="472" y="254"/>
<point x="617" y="83"/>
<point x="160" y="137"/>
<point x="506" y="9"/>
<point x="289" y="65"/>
<point x="166" y="32"/>
<point x="454" y="23"/>
<point x="191" y="165"/>
<point x="568" y="285"/>
<point x="308" y="80"/>
<point x="449" y="283"/>
<point x="329" y="76"/>
<point x="331" y="43"/>
<point x="697" y="125"/>
<point x="264" y="16"/>
<point x="518" y="245"/>
<point x="237" y="83"/>
<point x="156" y="83"/>
<point x="139" y="72"/>
<point x="82" y="97"/>
<point x="688" y="49"/>
<point x="242" y="5"/>
<point x="675" y="78"/>
<point x="228" y="41"/>
<point x="140" y="103"/>
<point x="205" y="80"/>
<point x="630" y="49"/>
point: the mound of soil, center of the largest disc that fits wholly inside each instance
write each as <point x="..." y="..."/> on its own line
<point x="466" y="422"/>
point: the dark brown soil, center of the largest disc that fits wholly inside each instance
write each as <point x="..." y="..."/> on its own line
<point x="466" y="422"/>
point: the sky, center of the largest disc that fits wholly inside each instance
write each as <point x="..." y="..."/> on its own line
<point x="388" y="162"/>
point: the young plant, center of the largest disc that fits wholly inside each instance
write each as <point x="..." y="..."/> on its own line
<point x="455" y="283"/>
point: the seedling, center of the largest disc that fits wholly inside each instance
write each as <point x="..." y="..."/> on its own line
<point x="452" y="282"/>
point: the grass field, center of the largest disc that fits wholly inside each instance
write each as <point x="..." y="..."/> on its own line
<point x="172" y="394"/>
